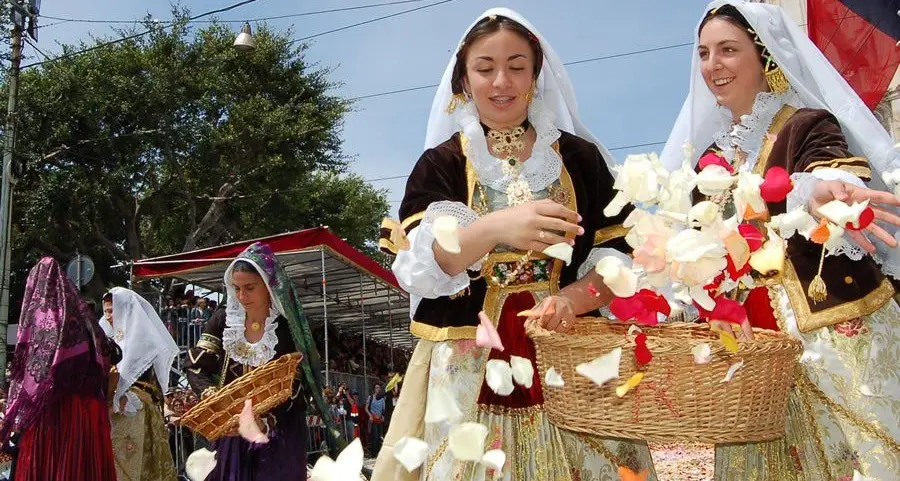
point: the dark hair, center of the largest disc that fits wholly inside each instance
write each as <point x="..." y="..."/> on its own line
<point x="732" y="15"/>
<point x="244" y="266"/>
<point x="487" y="26"/>
<point x="107" y="297"/>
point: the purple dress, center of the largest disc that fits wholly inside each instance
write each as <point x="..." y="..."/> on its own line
<point x="283" y="458"/>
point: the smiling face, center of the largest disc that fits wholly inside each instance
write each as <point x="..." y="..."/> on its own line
<point x="731" y="65"/>
<point x="499" y="76"/>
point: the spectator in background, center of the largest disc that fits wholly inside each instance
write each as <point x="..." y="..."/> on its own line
<point x="375" y="404"/>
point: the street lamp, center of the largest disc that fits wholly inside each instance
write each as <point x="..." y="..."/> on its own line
<point x="244" y="42"/>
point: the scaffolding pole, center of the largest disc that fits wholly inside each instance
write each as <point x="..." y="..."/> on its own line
<point x="325" y="315"/>
<point x="362" y="310"/>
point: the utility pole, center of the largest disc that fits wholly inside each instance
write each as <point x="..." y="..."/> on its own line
<point x="6" y="185"/>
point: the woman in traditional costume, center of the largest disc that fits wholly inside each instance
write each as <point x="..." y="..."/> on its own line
<point x="58" y="387"/>
<point x="263" y="321"/>
<point x="140" y="438"/>
<point x="763" y="96"/>
<point x="506" y="156"/>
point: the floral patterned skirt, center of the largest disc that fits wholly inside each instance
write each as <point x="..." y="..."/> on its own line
<point x="141" y="444"/>
<point x="842" y="415"/>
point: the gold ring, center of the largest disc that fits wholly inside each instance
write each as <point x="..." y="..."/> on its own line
<point x="565" y="323"/>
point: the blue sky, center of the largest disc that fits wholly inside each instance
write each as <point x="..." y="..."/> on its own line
<point x="624" y="101"/>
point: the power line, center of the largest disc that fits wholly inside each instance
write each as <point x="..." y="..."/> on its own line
<point x="574" y="62"/>
<point x="137" y="35"/>
<point x="34" y="46"/>
<point x="377" y="19"/>
<point x="260" y="19"/>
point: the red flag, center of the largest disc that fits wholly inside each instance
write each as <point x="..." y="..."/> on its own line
<point x="859" y="37"/>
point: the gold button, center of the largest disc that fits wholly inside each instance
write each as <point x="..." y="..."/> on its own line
<point x="848" y="280"/>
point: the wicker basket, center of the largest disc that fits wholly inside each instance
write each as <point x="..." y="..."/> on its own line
<point x="268" y="386"/>
<point x="677" y="398"/>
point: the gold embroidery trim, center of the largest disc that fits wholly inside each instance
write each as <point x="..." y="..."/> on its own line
<point x="598" y="446"/>
<point x="438" y="334"/>
<point x="508" y="411"/>
<point x="873" y="430"/>
<point x="210" y="343"/>
<point x="809" y="321"/>
<point x="607" y="234"/>
<point x="814" y="429"/>
<point x="388" y="245"/>
<point x="834" y="163"/>
<point x="412" y="219"/>
<point x="778" y="123"/>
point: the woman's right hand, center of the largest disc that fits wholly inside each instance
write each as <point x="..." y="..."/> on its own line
<point x="535" y="225"/>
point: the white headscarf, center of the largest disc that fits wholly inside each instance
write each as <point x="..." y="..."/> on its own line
<point x="554" y="108"/>
<point x="817" y="85"/>
<point x="816" y="82"/>
<point x="144" y="340"/>
<point x="234" y="340"/>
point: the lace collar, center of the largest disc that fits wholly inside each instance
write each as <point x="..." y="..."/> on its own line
<point x="750" y="133"/>
<point x="234" y="342"/>
<point x="540" y="170"/>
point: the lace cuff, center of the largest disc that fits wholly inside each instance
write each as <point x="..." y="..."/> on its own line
<point x="417" y="271"/>
<point x="805" y="183"/>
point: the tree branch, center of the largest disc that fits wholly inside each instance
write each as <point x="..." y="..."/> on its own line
<point x="117" y="251"/>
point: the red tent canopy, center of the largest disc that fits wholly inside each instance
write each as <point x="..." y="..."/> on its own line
<point x="336" y="282"/>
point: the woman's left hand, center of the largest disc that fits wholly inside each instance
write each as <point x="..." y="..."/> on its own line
<point x="555" y="313"/>
<point x="827" y="190"/>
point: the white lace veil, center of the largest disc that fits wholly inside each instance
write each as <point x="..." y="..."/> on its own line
<point x="554" y="103"/>
<point x="144" y="340"/>
<point x="817" y="84"/>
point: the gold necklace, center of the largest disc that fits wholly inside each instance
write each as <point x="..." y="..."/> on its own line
<point x="507" y="144"/>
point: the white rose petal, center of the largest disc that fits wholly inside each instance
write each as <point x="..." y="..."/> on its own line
<point x="615" y="206"/>
<point x="466" y="441"/>
<point x="522" y="371"/>
<point x="793" y="222"/>
<point x="495" y="459"/>
<point x="441" y="406"/>
<point x="842" y="214"/>
<point x="446" y="233"/>
<point x="411" y="452"/>
<point x="702" y="353"/>
<point x="348" y="465"/>
<point x="702" y="297"/>
<point x="498" y="375"/>
<point x="603" y="368"/>
<point x="561" y="251"/>
<point x="633" y="330"/>
<point x="714" y="180"/>
<point x="199" y="464"/>
<point x="703" y="214"/>
<point x="553" y="378"/>
<point x="622" y="281"/>
<point x="731" y="370"/>
<point x="691" y="245"/>
<point x="835" y="237"/>
<point x="747" y="194"/>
